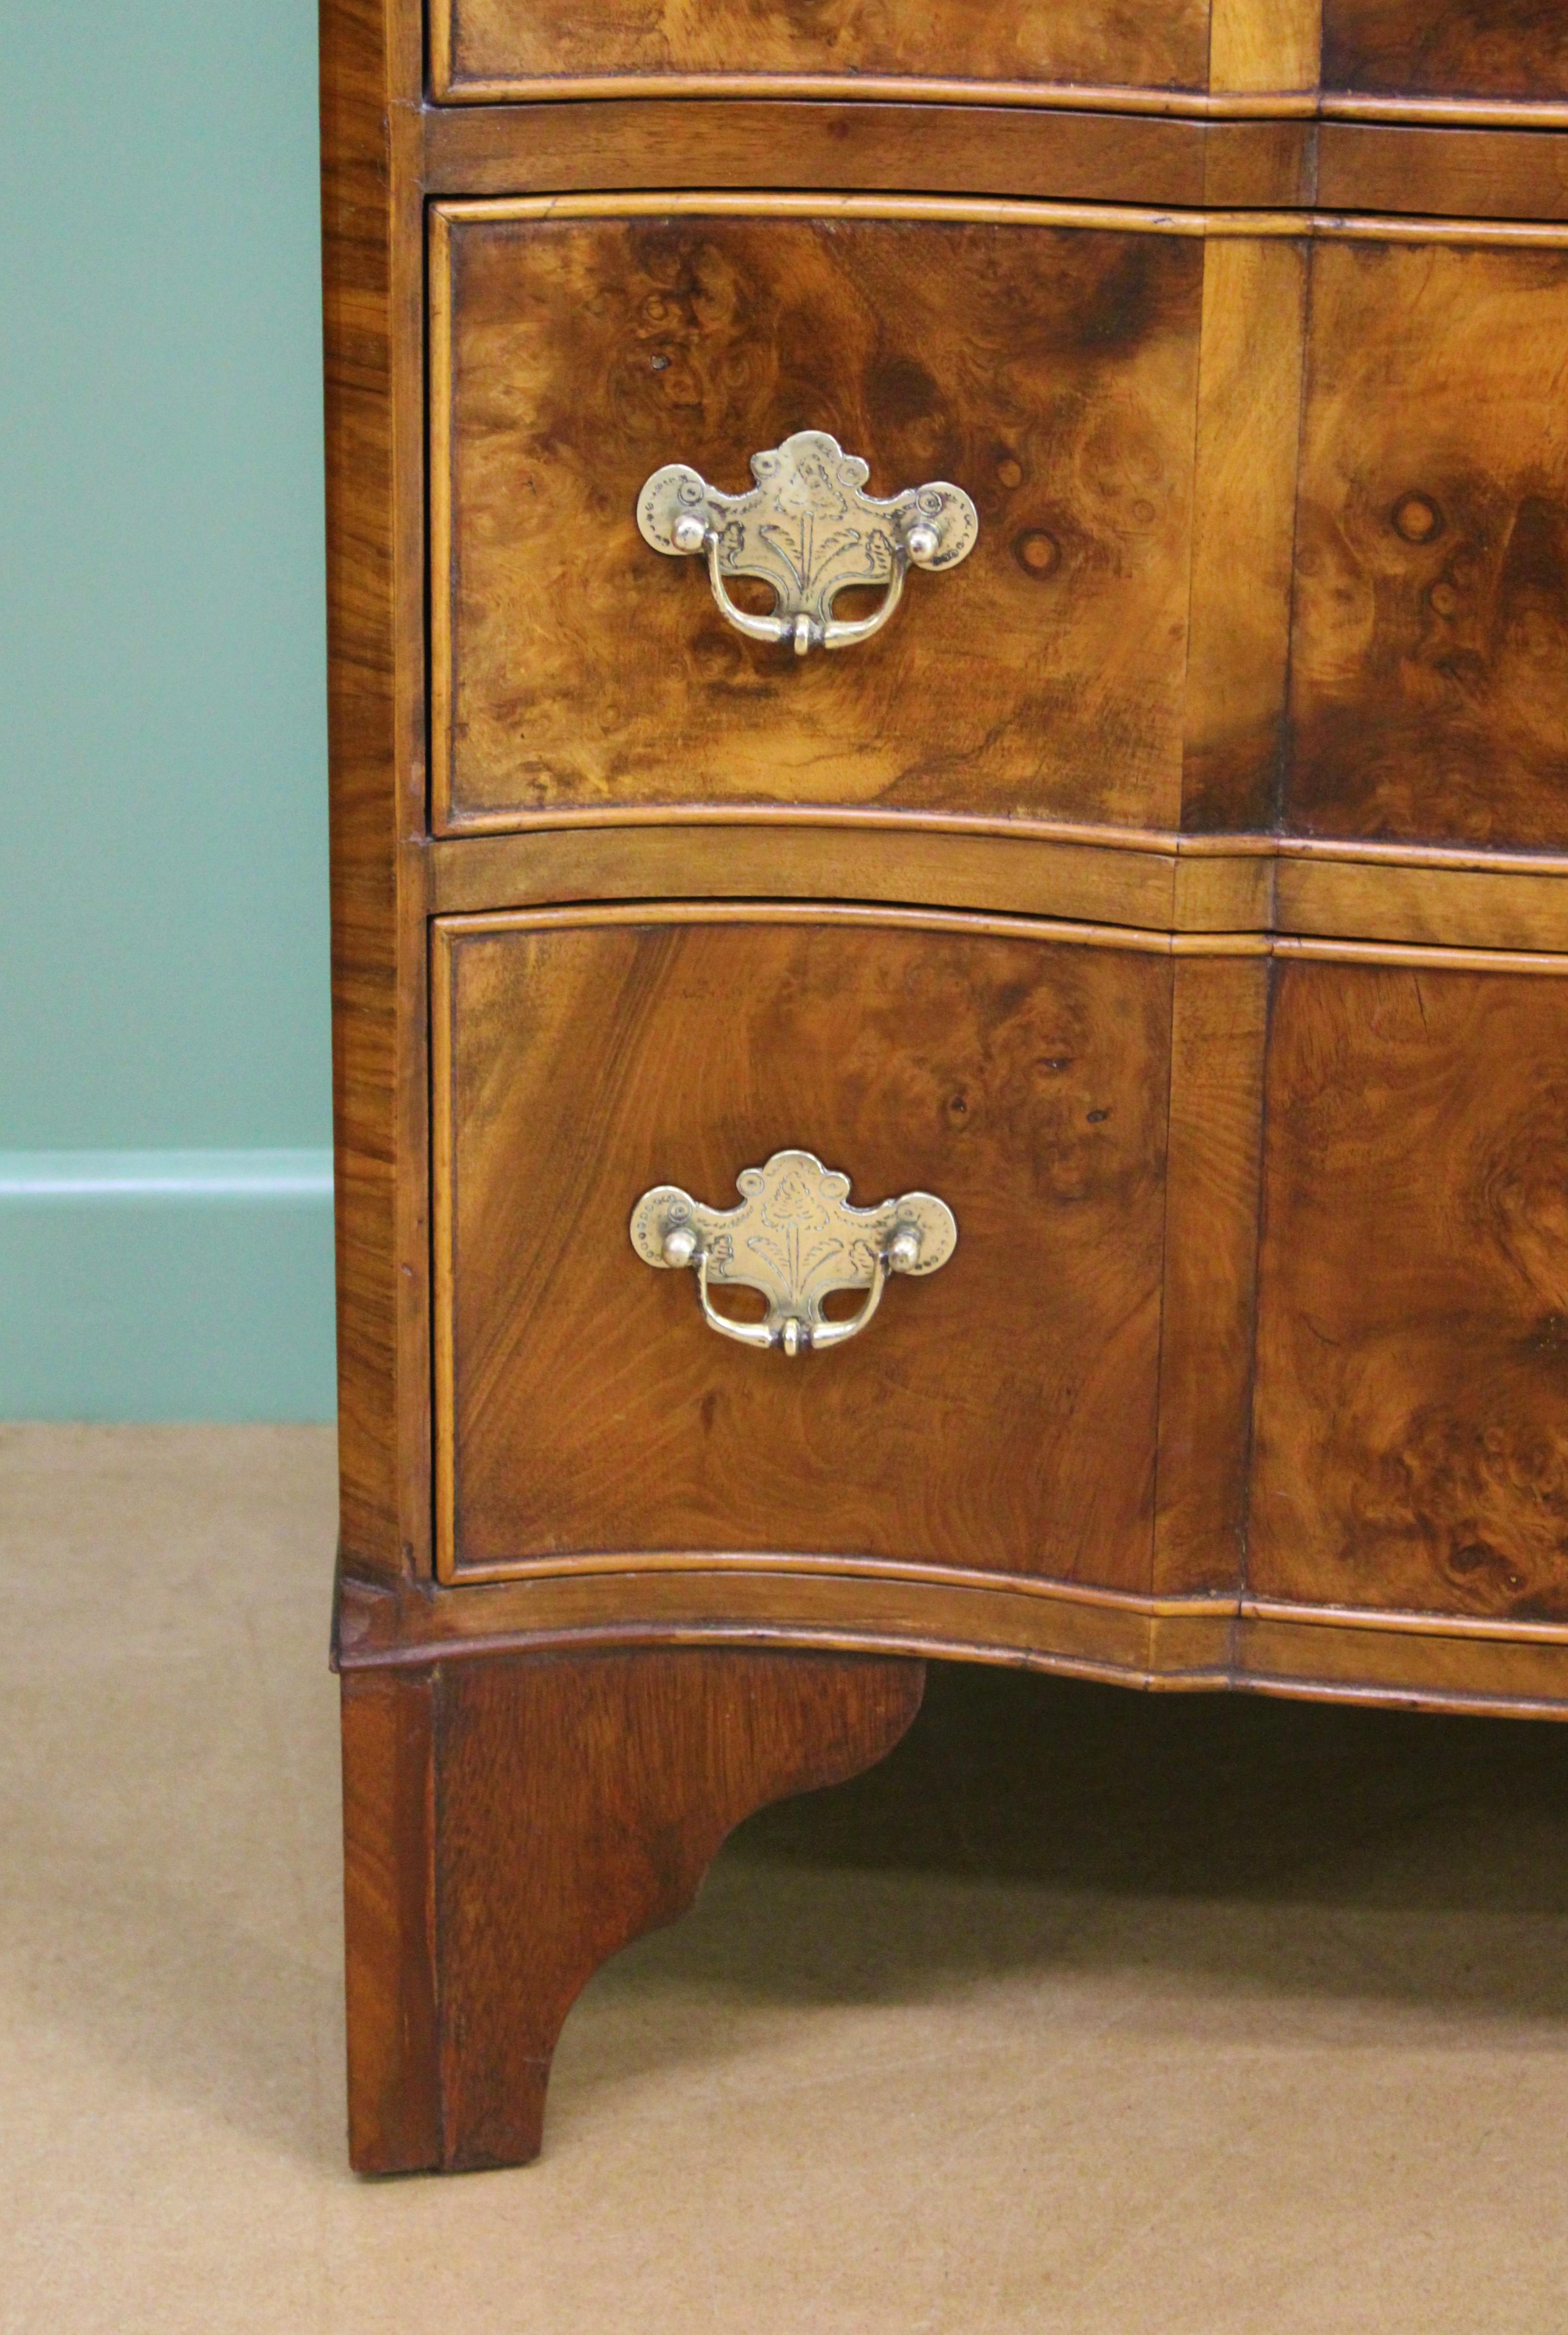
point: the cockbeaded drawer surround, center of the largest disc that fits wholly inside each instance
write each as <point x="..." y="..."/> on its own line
<point x="1212" y="977"/>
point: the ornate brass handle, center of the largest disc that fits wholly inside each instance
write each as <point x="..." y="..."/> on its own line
<point x="796" y="1238"/>
<point x="807" y="528"/>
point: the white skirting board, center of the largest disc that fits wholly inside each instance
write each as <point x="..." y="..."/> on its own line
<point x="152" y="1285"/>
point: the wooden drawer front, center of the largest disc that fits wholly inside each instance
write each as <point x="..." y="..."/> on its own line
<point x="1429" y="666"/>
<point x="998" y="1414"/>
<point x="542" y="48"/>
<point x="1146" y="54"/>
<point x="1261" y="514"/>
<point x="1051" y="373"/>
<point x="1446" y="48"/>
<point x="1412" y="1397"/>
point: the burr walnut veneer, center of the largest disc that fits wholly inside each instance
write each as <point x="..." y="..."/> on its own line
<point x="1152" y="867"/>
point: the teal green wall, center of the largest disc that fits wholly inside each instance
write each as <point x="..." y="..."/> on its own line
<point x="163" y="932"/>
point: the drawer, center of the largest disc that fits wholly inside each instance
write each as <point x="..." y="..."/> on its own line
<point x="1068" y="52"/>
<point x="1411" y="1430"/>
<point x="997" y="1414"/>
<point x="1430" y="659"/>
<point x="1048" y="368"/>
<point x="1265" y="521"/>
<point x="483" y="49"/>
<point x="1499" y="49"/>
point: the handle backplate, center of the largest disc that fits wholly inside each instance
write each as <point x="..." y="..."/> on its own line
<point x="808" y="528"/>
<point x="796" y="1238"/>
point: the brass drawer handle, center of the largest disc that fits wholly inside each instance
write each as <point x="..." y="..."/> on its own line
<point x="806" y="530"/>
<point x="796" y="1238"/>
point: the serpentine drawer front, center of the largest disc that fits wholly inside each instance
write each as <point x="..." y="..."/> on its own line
<point x="1045" y="377"/>
<point x="1218" y="512"/>
<point x="1068" y="52"/>
<point x="1006" y="1079"/>
<point x="507" y="48"/>
<point x="1411" y="1440"/>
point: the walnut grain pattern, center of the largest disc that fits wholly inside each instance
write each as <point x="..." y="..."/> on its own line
<point x="1036" y="40"/>
<point x="1453" y="50"/>
<point x="1021" y="1081"/>
<point x="1051" y="374"/>
<point x="1472" y="48"/>
<point x="1412" y="1389"/>
<point x="1429" y="658"/>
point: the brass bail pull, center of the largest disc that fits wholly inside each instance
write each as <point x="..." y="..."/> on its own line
<point x="808" y="528"/>
<point x="796" y="1238"/>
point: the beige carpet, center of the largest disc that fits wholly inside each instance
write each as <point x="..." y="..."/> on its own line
<point x="1088" y="2012"/>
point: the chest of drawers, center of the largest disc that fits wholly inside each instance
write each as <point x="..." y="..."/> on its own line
<point x="950" y="824"/>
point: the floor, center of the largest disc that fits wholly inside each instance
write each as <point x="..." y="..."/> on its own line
<point x="1086" y="2011"/>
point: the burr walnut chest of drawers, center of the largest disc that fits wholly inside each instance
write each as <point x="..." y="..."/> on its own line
<point x="950" y="794"/>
